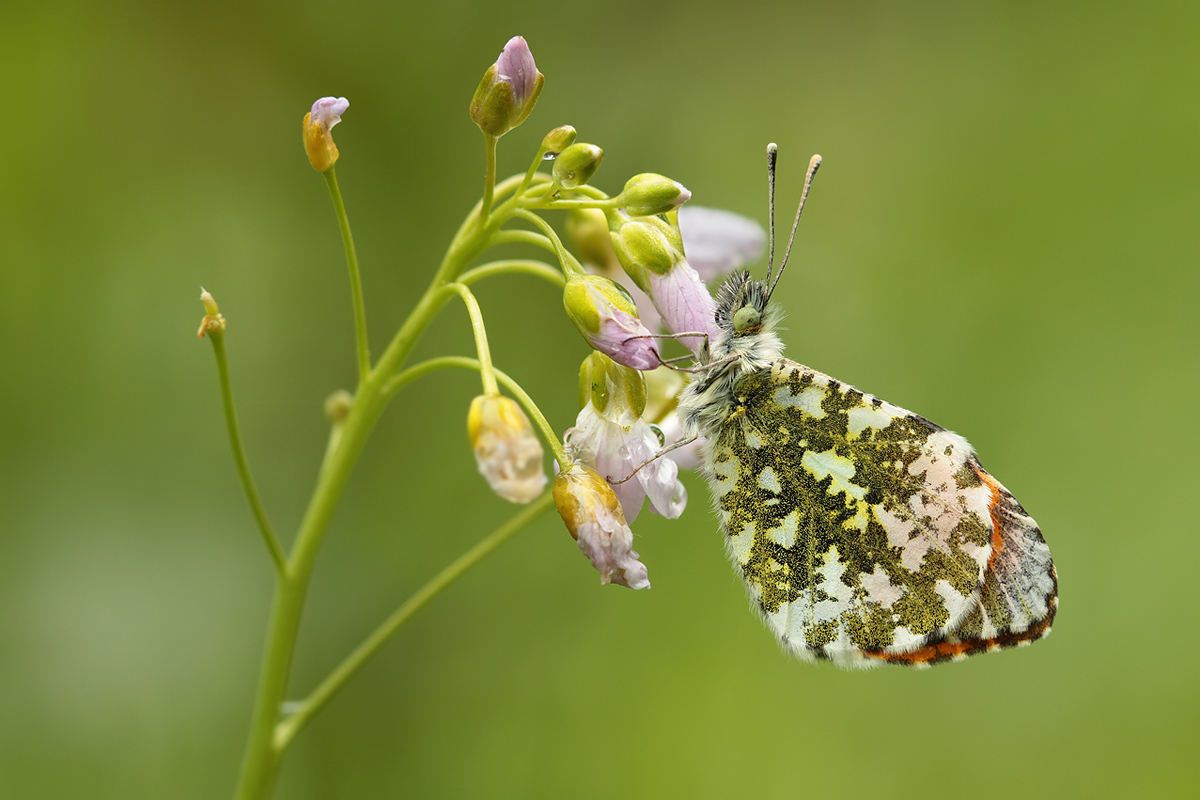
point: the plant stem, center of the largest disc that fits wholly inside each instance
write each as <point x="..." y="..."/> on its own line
<point x="260" y="766"/>
<point x="566" y="204"/>
<point x="425" y="367"/>
<point x="360" y="312"/>
<point x="570" y="265"/>
<point x="513" y="236"/>
<point x="286" y="730"/>
<point x="239" y="454"/>
<point x="489" y="175"/>
<point x="486" y="370"/>
<point x="539" y="269"/>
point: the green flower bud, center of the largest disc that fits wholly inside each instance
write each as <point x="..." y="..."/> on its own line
<point x="576" y="165"/>
<point x="338" y="406"/>
<point x="645" y="245"/>
<point x="584" y="295"/>
<point x="587" y="230"/>
<point x="617" y="392"/>
<point x="558" y="139"/>
<point x="648" y="194"/>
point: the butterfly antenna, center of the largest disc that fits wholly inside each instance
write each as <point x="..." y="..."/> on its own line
<point x="772" y="154"/>
<point x="813" y="164"/>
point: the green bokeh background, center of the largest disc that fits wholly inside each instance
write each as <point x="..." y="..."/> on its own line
<point x="1004" y="237"/>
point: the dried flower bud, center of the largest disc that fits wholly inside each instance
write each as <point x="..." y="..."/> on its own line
<point x="318" y="127"/>
<point x="507" y="450"/>
<point x="213" y="321"/>
<point x="508" y="91"/>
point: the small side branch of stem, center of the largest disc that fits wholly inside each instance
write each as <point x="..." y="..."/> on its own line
<point x="570" y="265"/>
<point x="217" y="337"/>
<point x="486" y="371"/>
<point x="512" y="236"/>
<point x="396" y="384"/>
<point x="356" y="292"/>
<point x="538" y="269"/>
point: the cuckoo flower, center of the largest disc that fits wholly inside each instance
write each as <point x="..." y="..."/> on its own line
<point x="611" y="435"/>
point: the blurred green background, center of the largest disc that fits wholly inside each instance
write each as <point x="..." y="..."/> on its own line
<point x="1004" y="238"/>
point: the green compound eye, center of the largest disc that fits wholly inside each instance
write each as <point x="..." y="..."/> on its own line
<point x="745" y="318"/>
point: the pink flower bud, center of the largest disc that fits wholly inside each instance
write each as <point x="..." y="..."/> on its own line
<point x="508" y="91"/>
<point x="608" y="319"/>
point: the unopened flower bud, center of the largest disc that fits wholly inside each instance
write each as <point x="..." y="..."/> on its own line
<point x="213" y="321"/>
<point x="576" y="165"/>
<point x="645" y="245"/>
<point x="594" y="518"/>
<point x="318" y="126"/>
<point x="650" y="250"/>
<point x="617" y="392"/>
<point x="607" y="317"/>
<point x="507" y="450"/>
<point x="648" y="194"/>
<point x="558" y="140"/>
<point x="338" y="406"/>
<point x="210" y="303"/>
<point x="587" y="230"/>
<point x="508" y="91"/>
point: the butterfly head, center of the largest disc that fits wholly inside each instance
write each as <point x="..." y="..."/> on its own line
<point x="742" y="305"/>
<point x="747" y="320"/>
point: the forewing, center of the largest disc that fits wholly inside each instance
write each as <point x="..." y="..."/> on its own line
<point x="861" y="529"/>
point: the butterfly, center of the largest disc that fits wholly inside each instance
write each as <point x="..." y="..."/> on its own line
<point x="865" y="533"/>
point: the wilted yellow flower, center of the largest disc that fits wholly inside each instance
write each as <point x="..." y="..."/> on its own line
<point x="507" y="450"/>
<point x="318" y="127"/>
